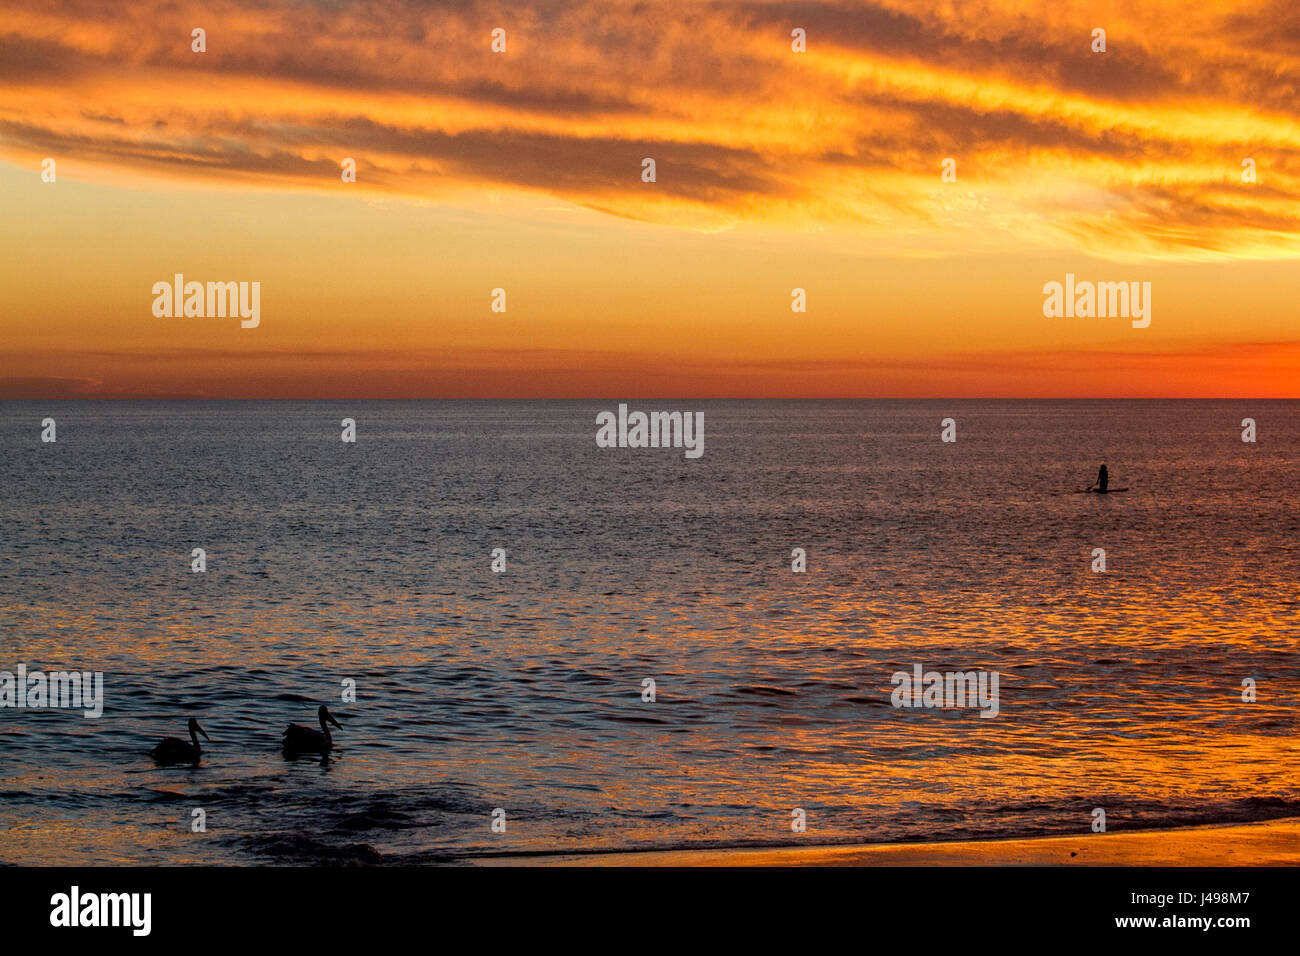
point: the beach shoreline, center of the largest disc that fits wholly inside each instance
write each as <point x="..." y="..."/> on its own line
<point x="1265" y="843"/>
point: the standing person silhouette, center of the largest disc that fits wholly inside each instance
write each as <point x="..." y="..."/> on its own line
<point x="1103" y="480"/>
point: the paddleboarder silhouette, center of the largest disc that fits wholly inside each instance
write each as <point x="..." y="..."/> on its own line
<point x="1103" y="480"/>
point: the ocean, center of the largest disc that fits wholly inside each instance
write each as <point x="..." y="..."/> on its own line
<point x="521" y="691"/>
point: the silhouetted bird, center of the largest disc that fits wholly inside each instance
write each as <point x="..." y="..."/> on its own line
<point x="172" y="750"/>
<point x="304" y="740"/>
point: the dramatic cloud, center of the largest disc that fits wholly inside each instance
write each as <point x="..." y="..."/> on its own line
<point x="1133" y="152"/>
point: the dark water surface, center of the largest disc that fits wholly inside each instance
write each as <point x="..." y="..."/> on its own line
<point x="371" y="562"/>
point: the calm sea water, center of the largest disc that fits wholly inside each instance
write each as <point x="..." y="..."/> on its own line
<point x="522" y="690"/>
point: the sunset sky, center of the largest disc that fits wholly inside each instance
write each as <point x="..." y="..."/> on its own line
<point x="775" y="170"/>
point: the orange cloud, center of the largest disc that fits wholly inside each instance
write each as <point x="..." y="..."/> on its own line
<point x="1136" y="152"/>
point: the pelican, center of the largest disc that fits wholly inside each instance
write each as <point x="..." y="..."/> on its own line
<point x="171" y="750"/>
<point x="304" y="740"/>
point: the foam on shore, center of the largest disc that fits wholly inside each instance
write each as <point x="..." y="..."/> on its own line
<point x="1269" y="843"/>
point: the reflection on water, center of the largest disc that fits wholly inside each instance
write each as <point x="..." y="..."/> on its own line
<point x="522" y="690"/>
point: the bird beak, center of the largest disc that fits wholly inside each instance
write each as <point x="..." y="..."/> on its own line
<point x="203" y="732"/>
<point x="330" y="718"/>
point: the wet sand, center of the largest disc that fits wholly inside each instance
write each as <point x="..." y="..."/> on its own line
<point x="1270" y="843"/>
